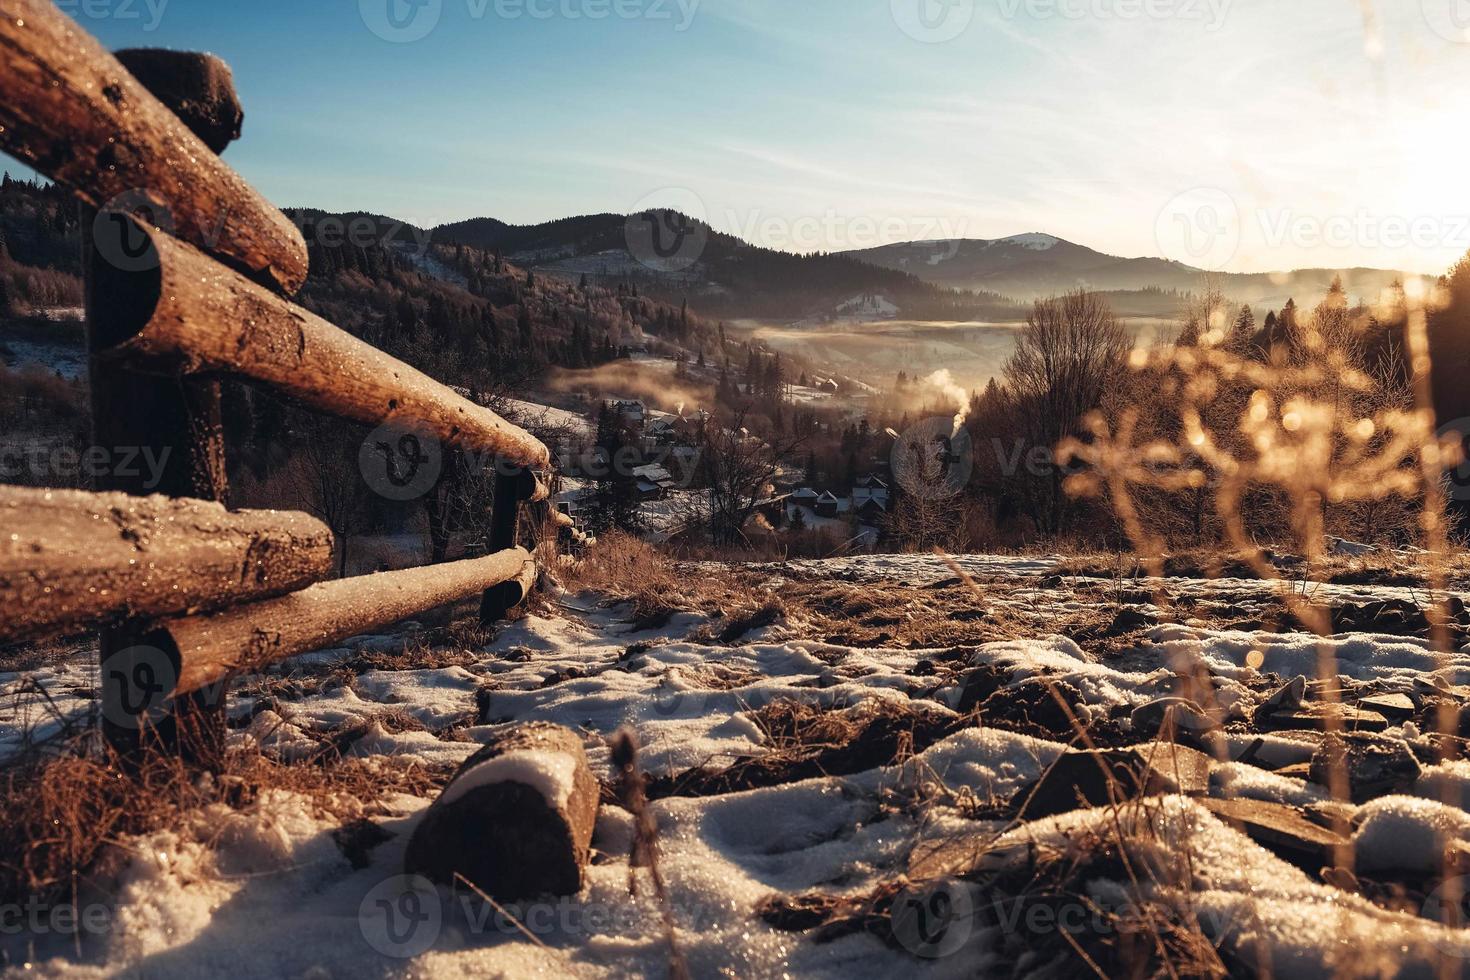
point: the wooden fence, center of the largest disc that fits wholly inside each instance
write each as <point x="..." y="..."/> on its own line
<point x="189" y="273"/>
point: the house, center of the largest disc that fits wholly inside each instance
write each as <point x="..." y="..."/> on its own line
<point x="805" y="497"/>
<point x="654" y="481"/>
<point x="631" y="411"/>
<point x="828" y="505"/>
<point x="871" y="495"/>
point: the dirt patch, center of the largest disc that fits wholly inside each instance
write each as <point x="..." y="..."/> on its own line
<point x="806" y="742"/>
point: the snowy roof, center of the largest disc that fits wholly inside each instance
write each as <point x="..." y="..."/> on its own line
<point x="805" y="493"/>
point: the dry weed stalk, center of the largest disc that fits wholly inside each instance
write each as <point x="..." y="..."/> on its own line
<point x="1313" y="427"/>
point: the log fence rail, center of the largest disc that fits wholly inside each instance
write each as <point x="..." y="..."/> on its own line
<point x="189" y="273"/>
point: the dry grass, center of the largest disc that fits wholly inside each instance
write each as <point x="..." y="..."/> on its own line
<point x="1152" y="934"/>
<point x="65" y="821"/>
<point x="1387" y="568"/>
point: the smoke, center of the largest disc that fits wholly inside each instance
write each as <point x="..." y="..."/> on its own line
<point x="945" y="383"/>
<point x="654" y="385"/>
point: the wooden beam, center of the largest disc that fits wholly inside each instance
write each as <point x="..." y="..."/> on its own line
<point x="186" y="314"/>
<point x="205" y="650"/>
<point x="512" y="487"/>
<point x="75" y="114"/>
<point x="71" y="559"/>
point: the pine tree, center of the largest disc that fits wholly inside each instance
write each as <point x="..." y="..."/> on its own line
<point x="1245" y="325"/>
<point x="615" y="499"/>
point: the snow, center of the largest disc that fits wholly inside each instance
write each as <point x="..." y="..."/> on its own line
<point x="1034" y="241"/>
<point x="536" y="415"/>
<point x="67" y="360"/>
<point x="271" y="881"/>
<point x="1402" y="833"/>
<point x="550" y="774"/>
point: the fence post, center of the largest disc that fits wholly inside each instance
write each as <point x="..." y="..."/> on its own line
<point x="513" y="485"/>
<point x="171" y="426"/>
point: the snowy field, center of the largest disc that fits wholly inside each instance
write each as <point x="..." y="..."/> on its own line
<point x="276" y="896"/>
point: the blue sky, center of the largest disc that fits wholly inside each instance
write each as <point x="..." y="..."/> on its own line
<point x="1239" y="134"/>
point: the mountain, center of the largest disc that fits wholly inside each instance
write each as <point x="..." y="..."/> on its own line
<point x="1035" y="264"/>
<point x="672" y="256"/>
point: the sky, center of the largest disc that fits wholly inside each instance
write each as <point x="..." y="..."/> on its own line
<point x="1242" y="135"/>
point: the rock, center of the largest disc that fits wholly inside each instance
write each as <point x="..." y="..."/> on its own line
<point x="1170" y="714"/>
<point x="1324" y="717"/>
<point x="1394" y="707"/>
<point x="1282" y="830"/>
<point x="1090" y="779"/>
<point x="1287" y="698"/>
<point x="516" y="820"/>
<point x="199" y="88"/>
<point x="1375" y="765"/>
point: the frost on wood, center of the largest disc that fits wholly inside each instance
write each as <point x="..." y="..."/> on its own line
<point x="73" y="112"/>
<point x="70" y="559"/>
<point x="516" y="820"/>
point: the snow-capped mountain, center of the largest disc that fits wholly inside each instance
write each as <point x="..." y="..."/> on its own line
<point x="1037" y="264"/>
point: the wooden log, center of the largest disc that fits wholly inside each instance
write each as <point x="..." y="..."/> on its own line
<point x="207" y="649"/>
<point x="179" y="419"/>
<point x="199" y="88"/>
<point x="70" y="559"/>
<point x="517" y="819"/>
<point x="188" y="314"/>
<point x="512" y="486"/>
<point x="507" y="595"/>
<point x="73" y="112"/>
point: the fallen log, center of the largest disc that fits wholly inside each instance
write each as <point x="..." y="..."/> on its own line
<point x="189" y="315"/>
<point x="73" y="112"/>
<point x="70" y="559"/>
<point x="516" y="821"/>
<point x="207" y="649"/>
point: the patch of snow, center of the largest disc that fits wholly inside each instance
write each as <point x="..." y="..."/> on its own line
<point x="550" y="774"/>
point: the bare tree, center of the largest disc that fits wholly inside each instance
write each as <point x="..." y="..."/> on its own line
<point x="323" y="474"/>
<point x="1068" y="354"/>
<point x="739" y="467"/>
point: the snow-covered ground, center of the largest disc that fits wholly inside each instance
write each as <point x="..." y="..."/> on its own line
<point x="538" y="416"/>
<point x="67" y="360"/>
<point x="275" y="896"/>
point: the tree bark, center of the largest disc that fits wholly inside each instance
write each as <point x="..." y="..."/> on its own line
<point x="207" y="649"/>
<point x="516" y="821"/>
<point x="70" y="559"/>
<point x="73" y="112"/>
<point x="187" y="315"/>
